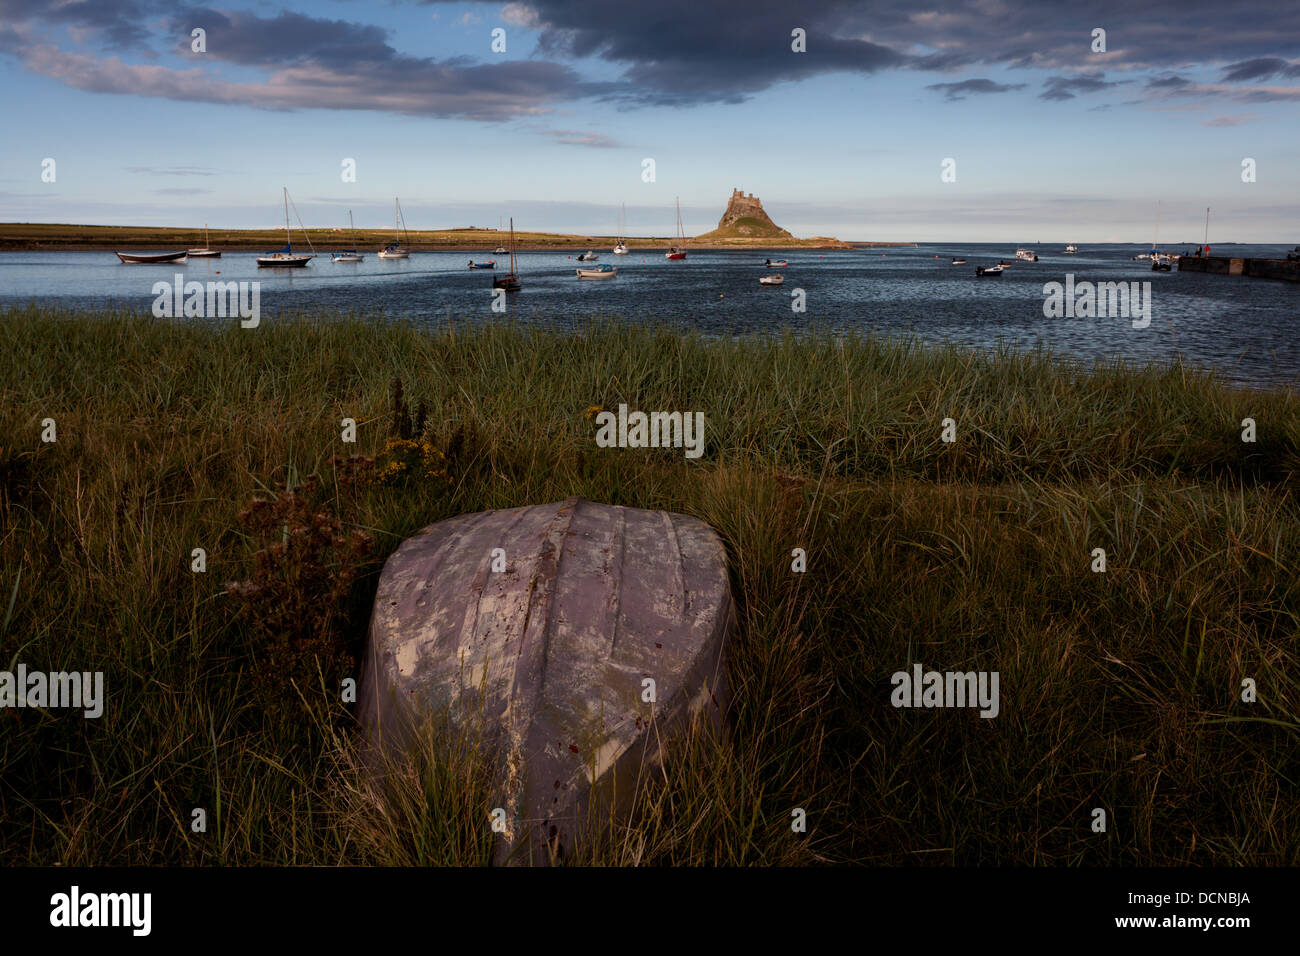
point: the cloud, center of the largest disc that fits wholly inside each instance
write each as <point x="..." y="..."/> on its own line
<point x="959" y="91"/>
<point x="172" y="170"/>
<point x="1068" y="87"/>
<point x="1234" y="119"/>
<point x="1261" y="68"/>
<point x="521" y="15"/>
<point x="571" y="137"/>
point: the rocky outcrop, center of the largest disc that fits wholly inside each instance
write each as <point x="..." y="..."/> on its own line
<point x="745" y="219"/>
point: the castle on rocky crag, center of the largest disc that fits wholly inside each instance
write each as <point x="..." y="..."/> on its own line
<point x="744" y="217"/>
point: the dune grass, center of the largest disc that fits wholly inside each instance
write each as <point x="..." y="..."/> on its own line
<point x="1119" y="690"/>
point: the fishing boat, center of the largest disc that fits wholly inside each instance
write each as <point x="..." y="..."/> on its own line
<point x="771" y="280"/>
<point x="144" y="258"/>
<point x="775" y="263"/>
<point x="510" y="281"/>
<point x="286" y="258"/>
<point x="959" y="262"/>
<point x="599" y="272"/>
<point x="989" y="270"/>
<point x="620" y="249"/>
<point x="490" y="264"/>
<point x="1160" y="262"/>
<point x="1071" y="249"/>
<point x="207" y="252"/>
<point x="1026" y="255"/>
<point x="395" y="249"/>
<point x="349" y="255"/>
<point x="588" y="256"/>
<point x="675" y="252"/>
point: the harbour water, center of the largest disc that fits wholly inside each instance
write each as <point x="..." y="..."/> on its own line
<point x="1244" y="328"/>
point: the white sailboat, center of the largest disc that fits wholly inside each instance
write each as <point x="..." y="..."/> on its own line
<point x="621" y="248"/>
<point x="207" y="252"/>
<point x="395" y="249"/>
<point x="349" y="255"/>
<point x="286" y="257"/>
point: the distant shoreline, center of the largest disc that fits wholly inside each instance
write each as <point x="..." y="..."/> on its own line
<point x="41" y="237"/>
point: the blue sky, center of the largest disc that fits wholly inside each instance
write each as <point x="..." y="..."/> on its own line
<point x="1052" y="141"/>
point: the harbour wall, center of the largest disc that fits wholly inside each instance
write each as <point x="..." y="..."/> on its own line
<point x="1256" y="268"/>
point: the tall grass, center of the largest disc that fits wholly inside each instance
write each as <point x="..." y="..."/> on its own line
<point x="1120" y="690"/>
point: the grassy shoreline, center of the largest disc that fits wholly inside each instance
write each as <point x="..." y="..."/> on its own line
<point x="34" y="236"/>
<point x="1120" y="690"/>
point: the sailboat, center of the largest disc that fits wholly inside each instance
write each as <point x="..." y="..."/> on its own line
<point x="349" y="255"/>
<point x="395" y="249"/>
<point x="675" y="252"/>
<point x="1159" y="261"/>
<point x="286" y="257"/>
<point x="207" y="252"/>
<point x="621" y="248"/>
<point x="510" y="281"/>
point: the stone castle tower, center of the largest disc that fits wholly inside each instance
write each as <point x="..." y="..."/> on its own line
<point x="745" y="217"/>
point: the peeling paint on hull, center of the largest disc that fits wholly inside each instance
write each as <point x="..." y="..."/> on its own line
<point x="553" y="650"/>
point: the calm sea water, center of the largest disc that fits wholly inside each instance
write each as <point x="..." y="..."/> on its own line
<point x="1245" y="328"/>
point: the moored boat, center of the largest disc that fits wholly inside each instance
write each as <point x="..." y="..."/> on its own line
<point x="599" y="272"/>
<point x="1071" y="249"/>
<point x="588" y="256"/>
<point x="989" y="270"/>
<point x="349" y="255"/>
<point x="1026" y="255"/>
<point x="395" y="249"/>
<point x="207" y="252"/>
<point x="145" y="258"/>
<point x="499" y="251"/>
<point x="620" y="249"/>
<point x="775" y="263"/>
<point x="959" y="262"/>
<point x="510" y="281"/>
<point x="675" y="252"/>
<point x="490" y="264"/>
<point x="286" y="258"/>
<point x="771" y="280"/>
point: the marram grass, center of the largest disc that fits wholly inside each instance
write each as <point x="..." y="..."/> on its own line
<point x="1119" y="690"/>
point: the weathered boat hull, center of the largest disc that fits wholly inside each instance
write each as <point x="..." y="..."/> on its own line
<point x="147" y="258"/>
<point x="600" y="635"/>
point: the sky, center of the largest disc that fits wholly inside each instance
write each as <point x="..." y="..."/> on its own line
<point x="1055" y="132"/>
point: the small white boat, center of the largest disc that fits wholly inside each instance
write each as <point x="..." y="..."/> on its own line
<point x="620" y="249"/>
<point x="959" y="262"/>
<point x="499" y="251"/>
<point x="395" y="250"/>
<point x="588" y="256"/>
<point x="675" y="253"/>
<point x="1071" y="249"/>
<point x="600" y="272"/>
<point x="771" y="280"/>
<point x="776" y="263"/>
<point x="989" y="270"/>
<point x="1026" y="255"/>
<point x="349" y="255"/>
<point x="207" y="252"/>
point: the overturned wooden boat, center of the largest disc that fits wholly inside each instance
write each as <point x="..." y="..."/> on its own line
<point x="582" y="635"/>
<point x="139" y="258"/>
<point x="771" y="280"/>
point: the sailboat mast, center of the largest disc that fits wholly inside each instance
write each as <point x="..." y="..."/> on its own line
<point x="1207" y="225"/>
<point x="286" y="215"/>
<point x="1157" y="239"/>
<point x="512" y="245"/>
